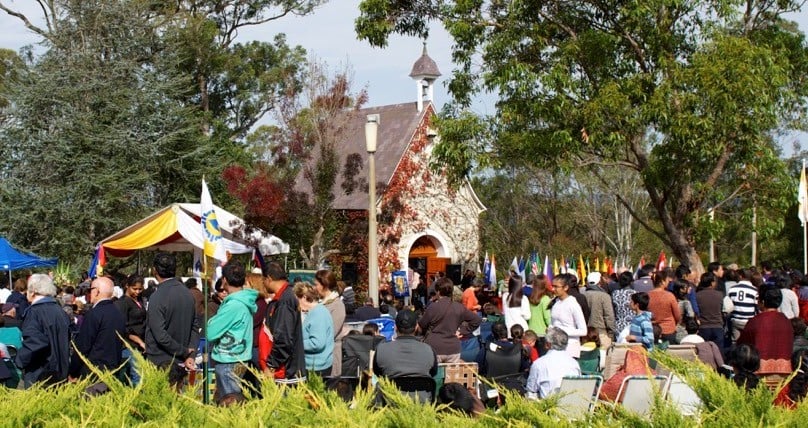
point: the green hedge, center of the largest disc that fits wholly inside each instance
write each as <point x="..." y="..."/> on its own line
<point x="153" y="403"/>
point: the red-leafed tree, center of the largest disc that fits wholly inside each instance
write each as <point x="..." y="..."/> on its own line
<point x="301" y="146"/>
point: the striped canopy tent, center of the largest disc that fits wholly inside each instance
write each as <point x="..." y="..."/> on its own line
<point x="177" y="227"/>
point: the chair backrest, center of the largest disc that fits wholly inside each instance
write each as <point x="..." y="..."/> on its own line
<point x="578" y="395"/>
<point x="11" y="336"/>
<point x="462" y="373"/>
<point x="683" y="396"/>
<point x="387" y="327"/>
<point x="772" y="381"/>
<point x="589" y="361"/>
<point x="686" y="352"/>
<point x="501" y="361"/>
<point x="356" y="352"/>
<point x="616" y="357"/>
<point x="637" y="392"/>
<point x="422" y="388"/>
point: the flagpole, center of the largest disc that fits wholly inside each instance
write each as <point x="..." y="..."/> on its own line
<point x="804" y="237"/>
<point x="205" y="364"/>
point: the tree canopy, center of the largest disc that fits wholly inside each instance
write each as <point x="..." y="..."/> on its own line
<point x="125" y="109"/>
<point x="689" y="95"/>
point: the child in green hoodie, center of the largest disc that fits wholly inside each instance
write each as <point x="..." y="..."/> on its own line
<point x="229" y="332"/>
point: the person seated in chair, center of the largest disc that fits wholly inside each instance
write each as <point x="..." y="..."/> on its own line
<point x="407" y="359"/>
<point x="406" y="356"/>
<point x="546" y="372"/>
<point x="500" y="356"/>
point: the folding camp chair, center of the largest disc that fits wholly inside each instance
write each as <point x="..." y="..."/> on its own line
<point x="683" y="396"/>
<point x="637" y="392"/>
<point x="578" y="395"/>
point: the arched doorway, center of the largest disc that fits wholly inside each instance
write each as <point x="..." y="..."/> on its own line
<point x="423" y="257"/>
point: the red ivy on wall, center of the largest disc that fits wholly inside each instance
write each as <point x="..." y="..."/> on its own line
<point x="411" y="177"/>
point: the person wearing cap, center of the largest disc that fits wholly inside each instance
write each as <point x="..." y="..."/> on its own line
<point x="601" y="311"/>
<point x="406" y="355"/>
<point x="9" y="318"/>
<point x="367" y="312"/>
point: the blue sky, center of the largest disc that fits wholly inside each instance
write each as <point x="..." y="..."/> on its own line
<point x="328" y="34"/>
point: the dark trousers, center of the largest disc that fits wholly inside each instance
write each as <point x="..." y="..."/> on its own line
<point x="715" y="334"/>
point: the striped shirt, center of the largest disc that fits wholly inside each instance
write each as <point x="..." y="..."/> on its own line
<point x="744" y="297"/>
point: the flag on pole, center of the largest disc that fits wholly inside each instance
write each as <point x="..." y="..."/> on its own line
<point x="492" y="272"/>
<point x="258" y="259"/>
<point x="802" y="197"/>
<point x="534" y="263"/>
<point x="522" y="267"/>
<point x="514" y="267"/>
<point x="548" y="271"/>
<point x="486" y="269"/>
<point x="555" y="267"/>
<point x="581" y="268"/>
<point x="198" y="265"/>
<point x="662" y="262"/>
<point x="210" y="227"/>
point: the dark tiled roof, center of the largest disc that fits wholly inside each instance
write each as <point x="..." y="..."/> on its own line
<point x="398" y="123"/>
<point x="425" y="66"/>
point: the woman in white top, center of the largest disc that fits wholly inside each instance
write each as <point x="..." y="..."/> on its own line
<point x="566" y="314"/>
<point x="515" y="306"/>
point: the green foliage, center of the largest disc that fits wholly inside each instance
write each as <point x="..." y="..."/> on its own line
<point x="687" y="94"/>
<point x="154" y="403"/>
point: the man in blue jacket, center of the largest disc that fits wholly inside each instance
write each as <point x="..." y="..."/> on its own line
<point x="230" y="333"/>
<point x="46" y="329"/>
<point x="99" y="338"/>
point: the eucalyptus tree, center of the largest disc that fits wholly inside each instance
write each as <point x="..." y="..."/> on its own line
<point x="687" y="94"/>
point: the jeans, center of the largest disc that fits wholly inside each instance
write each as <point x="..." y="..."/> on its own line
<point x="715" y="334"/>
<point x="130" y="370"/>
<point x="227" y="380"/>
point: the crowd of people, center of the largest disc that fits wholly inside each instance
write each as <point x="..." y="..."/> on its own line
<point x="745" y="322"/>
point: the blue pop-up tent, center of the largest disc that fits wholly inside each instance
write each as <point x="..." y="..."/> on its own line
<point x="11" y="259"/>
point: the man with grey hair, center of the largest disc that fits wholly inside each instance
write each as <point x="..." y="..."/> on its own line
<point x="45" y="352"/>
<point x="546" y="372"/>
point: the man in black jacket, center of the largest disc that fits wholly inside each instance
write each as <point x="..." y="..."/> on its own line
<point x="99" y="338"/>
<point x="286" y="327"/>
<point x="45" y="352"/>
<point x="172" y="328"/>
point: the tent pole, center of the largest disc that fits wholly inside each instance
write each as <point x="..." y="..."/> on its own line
<point x="205" y="364"/>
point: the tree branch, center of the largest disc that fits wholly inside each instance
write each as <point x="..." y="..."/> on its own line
<point x="25" y="21"/>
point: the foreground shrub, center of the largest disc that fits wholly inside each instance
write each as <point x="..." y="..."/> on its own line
<point x="154" y="403"/>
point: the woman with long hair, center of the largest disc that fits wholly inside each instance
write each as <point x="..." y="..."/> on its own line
<point x="539" y="305"/>
<point x="620" y="300"/>
<point x="326" y="285"/>
<point x="515" y="306"/>
<point x="566" y="314"/>
<point x="133" y="308"/>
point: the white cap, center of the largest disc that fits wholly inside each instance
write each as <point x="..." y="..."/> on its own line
<point x="593" y="278"/>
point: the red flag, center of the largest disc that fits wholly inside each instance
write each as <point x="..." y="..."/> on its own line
<point x="662" y="262"/>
